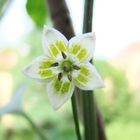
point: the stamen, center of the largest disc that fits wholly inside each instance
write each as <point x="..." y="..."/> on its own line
<point x="64" y="55"/>
<point x="55" y="64"/>
<point x="76" y="67"/>
<point x="69" y="77"/>
<point x="60" y="75"/>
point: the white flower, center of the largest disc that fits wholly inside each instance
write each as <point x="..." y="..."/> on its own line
<point x="15" y="104"/>
<point x="64" y="65"/>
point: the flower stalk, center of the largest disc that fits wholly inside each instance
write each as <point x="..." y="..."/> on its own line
<point x="89" y="110"/>
<point x="36" y="129"/>
<point x="75" y="117"/>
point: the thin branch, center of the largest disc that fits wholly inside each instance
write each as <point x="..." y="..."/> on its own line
<point x="100" y="122"/>
<point x="60" y="16"/>
<point x="36" y="129"/>
<point x="75" y="116"/>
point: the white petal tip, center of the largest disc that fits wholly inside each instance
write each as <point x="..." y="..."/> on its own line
<point x="57" y="105"/>
<point x="91" y="35"/>
<point x="101" y="85"/>
<point x="45" y="27"/>
<point x="55" y="108"/>
<point x="25" y="71"/>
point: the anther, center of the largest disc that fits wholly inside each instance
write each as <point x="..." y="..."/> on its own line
<point x="55" y="64"/>
<point x="76" y="67"/>
<point x="60" y="75"/>
<point x="69" y="77"/>
<point x="64" y="55"/>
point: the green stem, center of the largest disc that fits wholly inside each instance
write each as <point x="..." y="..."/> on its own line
<point x="75" y="116"/>
<point x="88" y="13"/>
<point x="89" y="111"/>
<point x="89" y="114"/>
<point x="38" y="131"/>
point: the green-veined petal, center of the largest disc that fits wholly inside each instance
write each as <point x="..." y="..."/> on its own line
<point x="87" y="78"/>
<point x="40" y="69"/>
<point x="82" y="47"/>
<point x="54" y="43"/>
<point x="59" y="91"/>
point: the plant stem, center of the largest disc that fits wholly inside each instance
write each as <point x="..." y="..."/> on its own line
<point x="88" y="13"/>
<point x="89" y="114"/>
<point x="89" y="111"/>
<point x="75" y="116"/>
<point x="38" y="131"/>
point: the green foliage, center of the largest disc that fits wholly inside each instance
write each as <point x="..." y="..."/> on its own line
<point x="3" y="6"/>
<point x="2" y="3"/>
<point x="116" y="102"/>
<point x="37" y="11"/>
<point x="123" y="131"/>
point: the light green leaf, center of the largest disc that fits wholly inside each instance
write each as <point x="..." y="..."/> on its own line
<point x="4" y="5"/>
<point x="37" y="11"/>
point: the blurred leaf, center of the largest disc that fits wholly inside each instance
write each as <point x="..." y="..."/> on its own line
<point x="37" y="11"/>
<point x="4" y="4"/>
<point x="15" y="104"/>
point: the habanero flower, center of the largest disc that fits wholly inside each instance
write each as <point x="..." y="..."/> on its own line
<point x="64" y="65"/>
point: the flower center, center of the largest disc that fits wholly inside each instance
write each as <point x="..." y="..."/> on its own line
<point x="67" y="66"/>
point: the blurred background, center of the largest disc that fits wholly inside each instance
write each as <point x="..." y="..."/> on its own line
<point x="117" y="58"/>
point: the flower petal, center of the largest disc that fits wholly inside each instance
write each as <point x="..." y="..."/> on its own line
<point x="82" y="47"/>
<point x="59" y="91"/>
<point x="54" y="43"/>
<point x="87" y="78"/>
<point x="40" y="69"/>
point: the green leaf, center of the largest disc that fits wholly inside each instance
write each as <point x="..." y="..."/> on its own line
<point x="4" y="4"/>
<point x="37" y="11"/>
